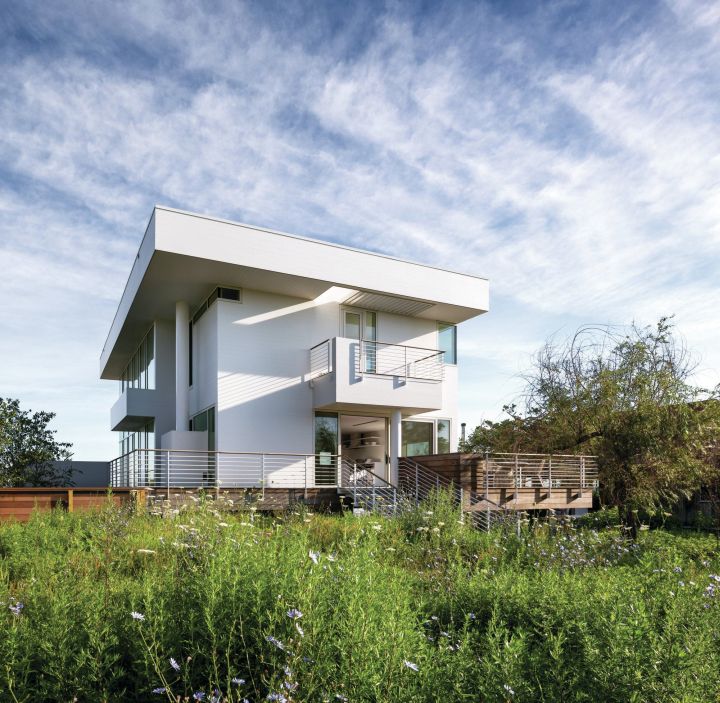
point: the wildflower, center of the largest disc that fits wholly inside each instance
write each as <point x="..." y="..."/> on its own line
<point x="340" y="697"/>
<point x="276" y="642"/>
<point x="16" y="609"/>
<point x="377" y="527"/>
<point x="137" y="616"/>
<point x="159" y="691"/>
<point x="278" y="697"/>
<point x="508" y="689"/>
<point x="411" y="665"/>
<point x="198" y="696"/>
<point x="223" y="524"/>
<point x="174" y="664"/>
<point x="315" y="556"/>
<point x="146" y="551"/>
<point x="294" y="614"/>
<point x="301" y="632"/>
<point x="237" y="681"/>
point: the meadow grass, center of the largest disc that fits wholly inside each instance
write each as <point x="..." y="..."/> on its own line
<point x="201" y="605"/>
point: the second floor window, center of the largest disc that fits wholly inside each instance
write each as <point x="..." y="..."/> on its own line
<point x="447" y="342"/>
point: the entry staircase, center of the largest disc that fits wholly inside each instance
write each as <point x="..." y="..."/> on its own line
<point x="363" y="489"/>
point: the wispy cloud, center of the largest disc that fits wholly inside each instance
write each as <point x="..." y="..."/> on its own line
<point x="568" y="151"/>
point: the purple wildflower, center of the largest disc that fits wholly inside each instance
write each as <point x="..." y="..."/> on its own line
<point x="294" y="614"/>
<point x="198" y="696"/>
<point x="174" y="664"/>
<point x="315" y="556"/>
<point x="160" y="690"/>
<point x="16" y="609"/>
<point x="137" y="616"/>
<point x="276" y="642"/>
<point x="277" y="697"/>
<point x="411" y="665"/>
<point x="237" y="681"/>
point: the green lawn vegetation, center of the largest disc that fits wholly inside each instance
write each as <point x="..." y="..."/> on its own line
<point x="201" y="605"/>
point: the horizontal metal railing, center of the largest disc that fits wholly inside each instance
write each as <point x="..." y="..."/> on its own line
<point x="367" y="489"/>
<point x="321" y="361"/>
<point x="502" y="471"/>
<point x="167" y="468"/>
<point x="383" y="359"/>
<point x="419" y="483"/>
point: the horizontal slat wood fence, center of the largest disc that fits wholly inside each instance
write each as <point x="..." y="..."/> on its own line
<point x="19" y="503"/>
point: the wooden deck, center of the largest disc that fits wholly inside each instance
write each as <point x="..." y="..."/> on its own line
<point x="520" y="481"/>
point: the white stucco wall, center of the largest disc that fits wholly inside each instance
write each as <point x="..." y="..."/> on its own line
<point x="264" y="401"/>
<point x="204" y="390"/>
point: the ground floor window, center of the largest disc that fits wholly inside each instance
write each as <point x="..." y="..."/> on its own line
<point x="425" y="437"/>
<point x="144" y="438"/>
<point x="205" y="422"/>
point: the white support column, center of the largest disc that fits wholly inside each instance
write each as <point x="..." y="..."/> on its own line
<point x="395" y="444"/>
<point x="182" y="366"/>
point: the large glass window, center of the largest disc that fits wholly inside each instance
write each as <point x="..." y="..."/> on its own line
<point x="447" y="342"/>
<point x="140" y="370"/>
<point x="417" y="438"/>
<point x="326" y="448"/>
<point x="205" y="422"/>
<point x="442" y="436"/>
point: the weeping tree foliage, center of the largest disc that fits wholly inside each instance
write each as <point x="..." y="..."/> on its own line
<point x="624" y="394"/>
<point x="29" y="449"/>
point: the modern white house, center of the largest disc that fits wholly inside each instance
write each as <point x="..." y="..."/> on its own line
<point x="247" y="357"/>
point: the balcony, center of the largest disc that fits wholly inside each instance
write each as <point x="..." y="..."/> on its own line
<point x="345" y="373"/>
<point x="133" y="409"/>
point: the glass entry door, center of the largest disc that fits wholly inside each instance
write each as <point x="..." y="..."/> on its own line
<point x="362" y="325"/>
<point x="326" y="448"/>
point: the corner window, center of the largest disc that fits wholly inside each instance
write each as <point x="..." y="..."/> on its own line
<point x="417" y="438"/>
<point x="140" y="370"/>
<point x="420" y="437"/>
<point x="442" y="437"/>
<point x="447" y="342"/>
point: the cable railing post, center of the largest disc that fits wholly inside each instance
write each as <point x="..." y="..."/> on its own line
<point x="215" y="461"/>
<point x="355" y="503"/>
<point x="305" y="492"/>
<point x="262" y="474"/>
<point x="487" y="489"/>
<point x="550" y="476"/>
<point x="417" y="487"/>
<point x="167" y="472"/>
<point x="582" y="474"/>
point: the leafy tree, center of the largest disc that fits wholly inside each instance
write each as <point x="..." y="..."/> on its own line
<point x="28" y="448"/>
<point x="625" y="395"/>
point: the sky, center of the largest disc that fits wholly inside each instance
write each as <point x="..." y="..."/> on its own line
<point x="567" y="151"/>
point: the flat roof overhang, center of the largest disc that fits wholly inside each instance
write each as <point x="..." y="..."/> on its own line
<point x="183" y="256"/>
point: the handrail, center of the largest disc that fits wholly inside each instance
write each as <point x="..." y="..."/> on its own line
<point x="176" y="468"/>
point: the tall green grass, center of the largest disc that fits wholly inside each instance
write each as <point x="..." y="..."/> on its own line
<point x="310" y="607"/>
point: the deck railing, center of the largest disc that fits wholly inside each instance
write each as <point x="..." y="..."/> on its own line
<point x="168" y="468"/>
<point x="503" y="471"/>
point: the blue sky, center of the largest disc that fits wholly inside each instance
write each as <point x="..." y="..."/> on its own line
<point x="568" y="151"/>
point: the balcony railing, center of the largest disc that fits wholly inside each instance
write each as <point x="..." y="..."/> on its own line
<point x="382" y="359"/>
<point x="168" y="468"/>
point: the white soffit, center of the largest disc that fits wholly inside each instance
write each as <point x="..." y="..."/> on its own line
<point x="387" y="303"/>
